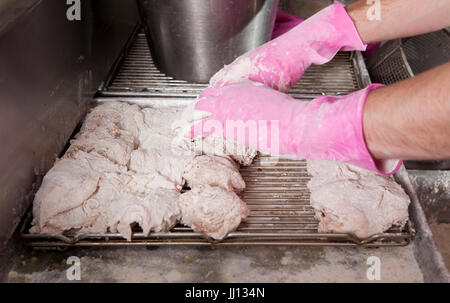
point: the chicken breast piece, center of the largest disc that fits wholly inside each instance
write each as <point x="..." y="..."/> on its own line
<point x="79" y="220"/>
<point x="133" y="121"/>
<point x="212" y="210"/>
<point x="348" y="199"/>
<point x="127" y="166"/>
<point x="68" y="184"/>
<point x="114" y="208"/>
<point x="155" y="211"/>
<point x="221" y="147"/>
<point x="117" y="150"/>
<point x="212" y="145"/>
<point x="159" y="162"/>
<point x="214" y="171"/>
<point x="107" y="115"/>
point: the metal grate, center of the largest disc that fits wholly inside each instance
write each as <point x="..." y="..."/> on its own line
<point x="276" y="189"/>
<point x="401" y="59"/>
<point x="392" y="70"/>
<point x="427" y="51"/>
<point x="280" y="214"/>
<point x="138" y="77"/>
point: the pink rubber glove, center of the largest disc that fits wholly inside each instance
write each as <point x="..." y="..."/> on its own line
<point x="284" y="23"/>
<point x="281" y="62"/>
<point x="326" y="128"/>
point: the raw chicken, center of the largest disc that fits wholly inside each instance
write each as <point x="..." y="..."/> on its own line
<point x="210" y="145"/>
<point x="103" y="132"/>
<point x="127" y="166"/>
<point x="348" y="199"/>
<point x="116" y="149"/>
<point x="118" y="115"/>
<point x="212" y="207"/>
<point x="157" y="161"/>
<point x="92" y="190"/>
<point x="156" y="210"/>
<point x="159" y="151"/>
<point x="212" y="210"/>
<point x="68" y="184"/>
<point x="224" y="148"/>
<point x="214" y="171"/>
<point x="114" y="205"/>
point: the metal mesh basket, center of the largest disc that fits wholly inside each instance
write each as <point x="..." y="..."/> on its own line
<point x="401" y="59"/>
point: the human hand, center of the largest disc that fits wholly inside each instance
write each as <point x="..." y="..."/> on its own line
<point x="326" y="128"/>
<point x="280" y="63"/>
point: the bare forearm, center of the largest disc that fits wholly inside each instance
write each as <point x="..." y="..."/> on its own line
<point x="399" y="18"/>
<point x="410" y="120"/>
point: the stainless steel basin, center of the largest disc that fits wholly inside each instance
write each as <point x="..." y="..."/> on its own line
<point x="192" y="39"/>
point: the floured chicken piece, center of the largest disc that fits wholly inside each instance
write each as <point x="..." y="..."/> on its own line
<point x="159" y="162"/>
<point x="209" y="145"/>
<point x="214" y="171"/>
<point x="126" y="167"/>
<point x="137" y="182"/>
<point x="116" y="149"/>
<point x="156" y="210"/>
<point x="67" y="186"/>
<point x="108" y="132"/>
<point x="348" y="199"/>
<point x="212" y="210"/>
<point x="212" y="206"/>
<point x="159" y="151"/>
<point x="119" y="114"/>
<point x="114" y="205"/>
<point x="220" y="147"/>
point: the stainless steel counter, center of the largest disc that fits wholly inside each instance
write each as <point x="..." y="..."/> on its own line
<point x="49" y="69"/>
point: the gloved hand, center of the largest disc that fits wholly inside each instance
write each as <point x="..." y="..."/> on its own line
<point x="280" y="63"/>
<point x="284" y="22"/>
<point x="326" y="128"/>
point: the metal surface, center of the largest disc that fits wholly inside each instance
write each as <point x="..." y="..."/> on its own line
<point x="193" y="39"/>
<point x="426" y="252"/>
<point x="276" y="190"/>
<point x="280" y="214"/>
<point x="424" y="52"/>
<point x="135" y="78"/>
<point x="49" y="69"/>
<point x="389" y="64"/>
<point x="304" y="8"/>
<point x="401" y="59"/>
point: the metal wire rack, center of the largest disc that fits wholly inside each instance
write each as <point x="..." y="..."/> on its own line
<point x="401" y="59"/>
<point x="280" y="214"/>
<point x="135" y="76"/>
<point x="276" y="190"/>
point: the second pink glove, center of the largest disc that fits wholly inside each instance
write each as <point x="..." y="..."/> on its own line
<point x="326" y="128"/>
<point x="281" y="62"/>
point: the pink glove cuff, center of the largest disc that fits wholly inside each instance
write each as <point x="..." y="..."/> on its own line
<point x="285" y="22"/>
<point x="383" y="167"/>
<point x="344" y="128"/>
<point x="326" y="128"/>
<point x="344" y="24"/>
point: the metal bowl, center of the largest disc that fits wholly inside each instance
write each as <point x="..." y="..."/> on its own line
<point x="192" y="39"/>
